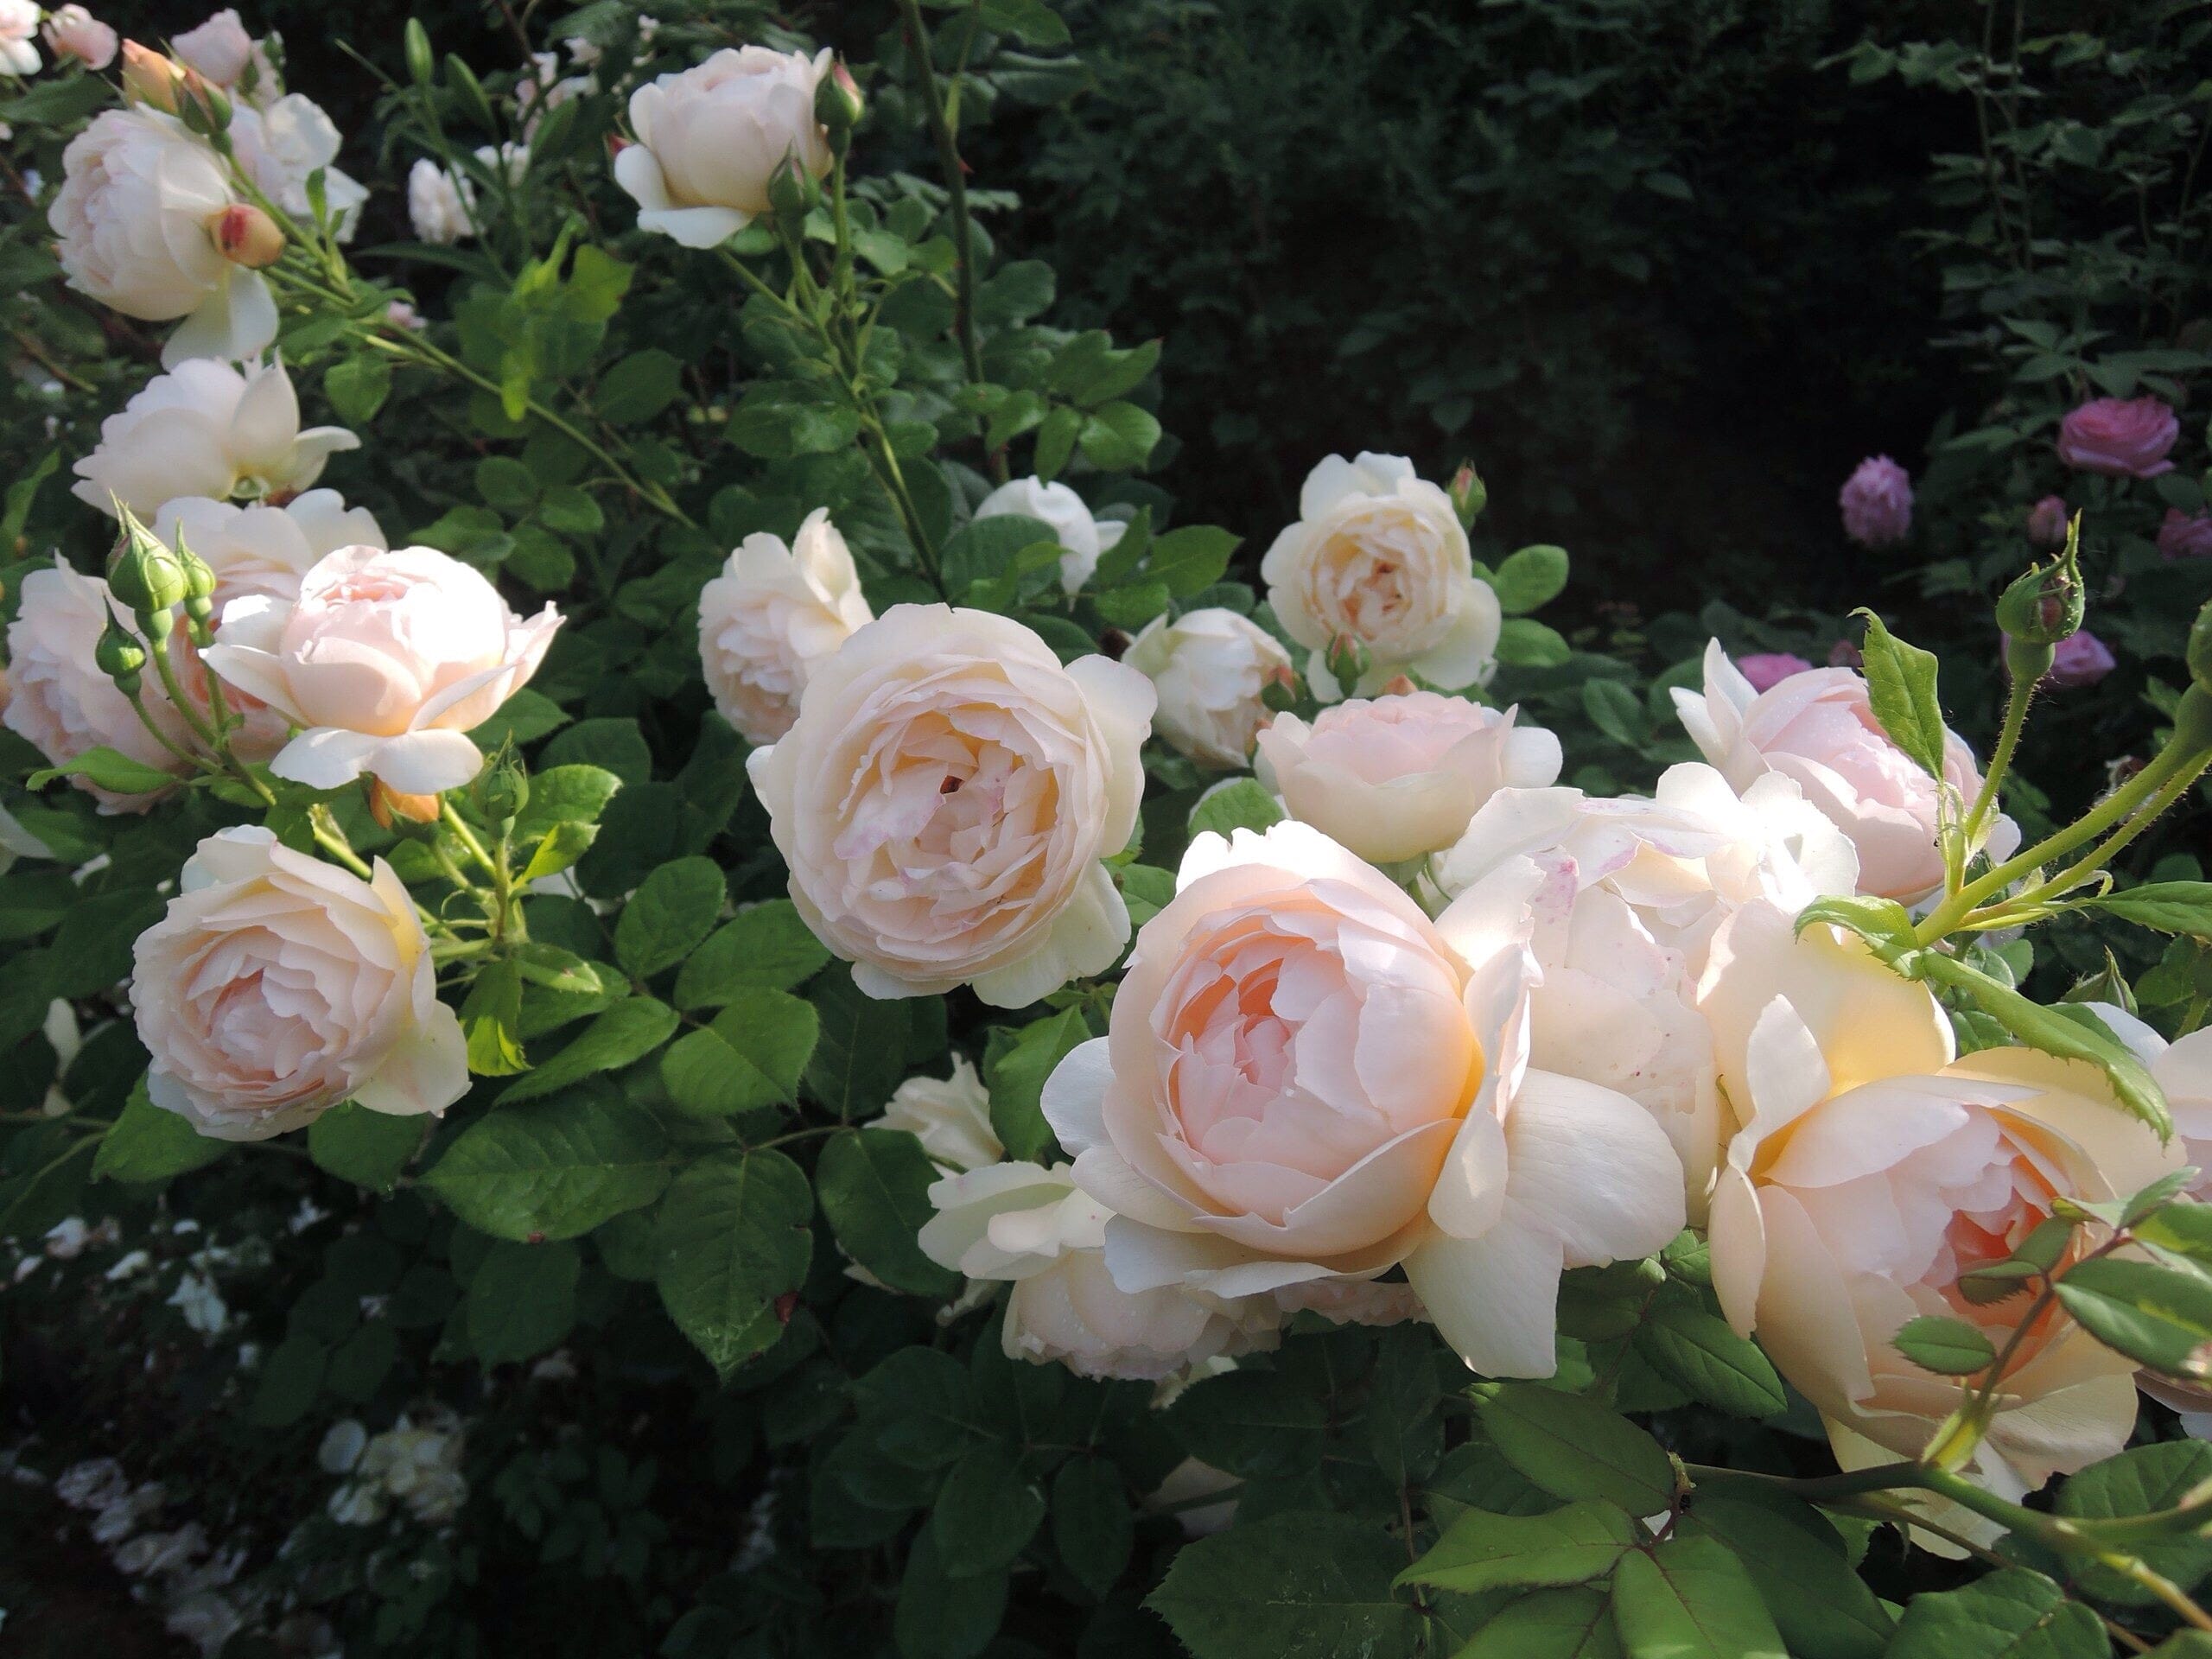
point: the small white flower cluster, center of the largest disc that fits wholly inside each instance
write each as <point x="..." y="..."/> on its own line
<point x="176" y="1567"/>
<point x="414" y="1465"/>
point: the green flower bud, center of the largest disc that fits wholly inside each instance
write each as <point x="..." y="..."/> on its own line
<point x="2200" y="649"/>
<point x="503" y="788"/>
<point x="2045" y="606"/>
<point x="838" y="104"/>
<point x="147" y="574"/>
<point x="793" y="192"/>
<point x="1349" y="660"/>
<point x="205" y="108"/>
<point x="199" y="592"/>
<point x="420" y="64"/>
<point x="1468" y="494"/>
<point x="2193" y="717"/>
<point x="120" y="655"/>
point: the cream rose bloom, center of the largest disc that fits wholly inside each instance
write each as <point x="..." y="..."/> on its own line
<point x="60" y="702"/>
<point x="1308" y="1079"/>
<point x="709" y="136"/>
<point x="774" y="611"/>
<point x="945" y="799"/>
<point x="388" y="660"/>
<point x="2183" y="1071"/>
<point x="1084" y="539"/>
<point x="139" y="196"/>
<point x="1035" y="1228"/>
<point x="950" y="1116"/>
<point x="1397" y="776"/>
<point x="18" y="28"/>
<point x="1209" y="668"/>
<point x="1819" y="730"/>
<point x="209" y="429"/>
<point x="1379" y="555"/>
<point x="277" y="986"/>
<point x="1872" y="1168"/>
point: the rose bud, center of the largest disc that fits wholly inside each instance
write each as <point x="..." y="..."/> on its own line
<point x="248" y="236"/>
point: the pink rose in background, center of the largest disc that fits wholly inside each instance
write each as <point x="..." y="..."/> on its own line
<point x="1877" y="501"/>
<point x="2185" y="536"/>
<point x="2047" y="522"/>
<point x="72" y="32"/>
<point x="1767" y="668"/>
<point x="1844" y="654"/>
<point x="2121" y="437"/>
<point x="2080" y="659"/>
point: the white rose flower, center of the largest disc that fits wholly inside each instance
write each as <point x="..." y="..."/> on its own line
<point x="1400" y="776"/>
<point x="1209" y="668"/>
<point x="945" y="799"/>
<point x="1083" y="539"/>
<point x="388" y="660"/>
<point x="139" y="198"/>
<point x="18" y="33"/>
<point x="1033" y="1226"/>
<point x="774" y="612"/>
<point x="277" y="986"/>
<point x="709" y="136"/>
<point x="438" y="204"/>
<point x="206" y="428"/>
<point x="1379" y="555"/>
<point x="60" y="702"/>
<point x="951" y="1117"/>
<point x="284" y="143"/>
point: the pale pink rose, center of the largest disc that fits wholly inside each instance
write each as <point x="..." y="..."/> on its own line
<point x="1397" y="776"/>
<point x="18" y="37"/>
<point x="277" y="986"/>
<point x="2081" y="658"/>
<point x="945" y="799"/>
<point x="1033" y="1226"/>
<point x="60" y="702"/>
<point x="218" y="48"/>
<point x="1210" y="668"/>
<point x="1308" y="1079"/>
<point x="2121" y="437"/>
<point x="950" y="1116"/>
<point x="1872" y="1169"/>
<point x="1379" y="555"/>
<point x="709" y="136"/>
<point x="2048" y="520"/>
<point x="1767" y="668"/>
<point x="1876" y="502"/>
<point x="72" y="32"/>
<point x="2185" y="536"/>
<point x="772" y="611"/>
<point x="1819" y="729"/>
<point x="388" y="660"/>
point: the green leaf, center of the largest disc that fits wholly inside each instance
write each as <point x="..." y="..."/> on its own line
<point x="731" y="1238"/>
<point x="1576" y="1448"/>
<point x="1797" y="1559"/>
<point x="1242" y="804"/>
<point x="145" y="1143"/>
<point x="110" y="769"/>
<point x="556" y="1170"/>
<point x="569" y="794"/>
<point x="2011" y="1614"/>
<point x="557" y="849"/>
<point x="638" y="387"/>
<point x="626" y="1034"/>
<point x="854" y="1068"/>
<point x="1616" y="712"/>
<point x="2142" y="1481"/>
<point x="1480" y="1551"/>
<point x="1901" y="688"/>
<point x="751" y="1056"/>
<point x="1257" y="1425"/>
<point x="525" y="716"/>
<point x="1570" y="1623"/>
<point x="767" y="947"/>
<point x="1947" y="1347"/>
<point x="1702" y="1356"/>
<point x="941" y="1617"/>
<point x="2169" y="906"/>
<point x="1015" y="1066"/>
<point x="368" y="1148"/>
<point x="571" y="511"/>
<point x="1031" y="21"/>
<point x="873" y="1187"/>
<point x="1190" y="560"/>
<point x="1092" y="1528"/>
<point x="1530" y="579"/>
<point x="615" y="746"/>
<point x="1292" y="1586"/>
<point x="1883" y="923"/>
<point x="290" y="1377"/>
<point x="1691" y="1599"/>
<point x="2159" y="1317"/>
<point x="1056" y="436"/>
<point x="357" y="387"/>
<point x="1132" y="607"/>
<point x="986" y="1512"/>
<point x="506" y="484"/>
<point x="522" y="1301"/>
<point x="1524" y="644"/>
<point x="983" y="548"/>
<point x="1118" y="437"/>
<point x="491" y="1021"/>
<point x="672" y="911"/>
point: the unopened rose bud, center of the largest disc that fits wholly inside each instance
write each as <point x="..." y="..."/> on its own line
<point x="1348" y="661"/>
<point x="147" y="575"/>
<point x="503" y="788"/>
<point x="2200" y="649"/>
<point x="199" y="592"/>
<point x="391" y="808"/>
<point x="2042" y="609"/>
<point x="421" y="65"/>
<point x="248" y="236"/>
<point x="1279" y="690"/>
<point x="205" y="108"/>
<point x="1468" y="494"/>
<point x="153" y="79"/>
<point x="793" y="192"/>
<point x="838" y="104"/>
<point x="120" y="655"/>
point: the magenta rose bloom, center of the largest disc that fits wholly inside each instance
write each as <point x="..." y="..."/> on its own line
<point x="2047" y="522"/>
<point x="2185" y="536"/>
<point x="1877" y="501"/>
<point x="2121" y="437"/>
<point x="1767" y="668"/>
<point x="2080" y="659"/>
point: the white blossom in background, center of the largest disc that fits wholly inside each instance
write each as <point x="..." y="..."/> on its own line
<point x="282" y="145"/>
<point x="950" y="1116"/>
<point x="18" y="37"/>
<point x="1082" y="538"/>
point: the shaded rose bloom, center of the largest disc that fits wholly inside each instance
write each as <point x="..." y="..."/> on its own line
<point x="2047" y="522"/>
<point x="1210" y="668"/>
<point x="1876" y="502"/>
<point x="1767" y="668"/>
<point x="18" y="28"/>
<point x="1084" y="538"/>
<point x="2121" y="437"/>
<point x="1395" y="776"/>
<point x="772" y="613"/>
<point x="2081" y="658"/>
<point x="2185" y="536"/>
<point x="221" y="53"/>
<point x="72" y="32"/>
<point x="950" y="1116"/>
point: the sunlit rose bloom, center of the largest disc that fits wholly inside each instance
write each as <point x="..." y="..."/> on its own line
<point x="1872" y="1169"/>
<point x="951" y="1117"/>
<point x="205" y="428"/>
<point x="1083" y="539"/>
<point x="60" y="702"/>
<point x="1876" y="502"/>
<point x="285" y="144"/>
<point x="1399" y="776"/>
<point x="1308" y="1079"/>
<point x="1210" y="668"/>
<point x="277" y="986"/>
<point x="18" y="36"/>
<point x="388" y="660"/>
<point x="943" y="801"/>
<point x="1379" y="555"/>
<point x="72" y="32"/>
<point x="1818" y="729"/>
<point x="772" y="613"/>
<point x="1033" y="1226"/>
<point x="709" y="136"/>
<point x="1767" y="668"/>
<point x="2121" y="437"/>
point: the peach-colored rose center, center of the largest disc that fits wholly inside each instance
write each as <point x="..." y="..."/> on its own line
<point x="1369" y="579"/>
